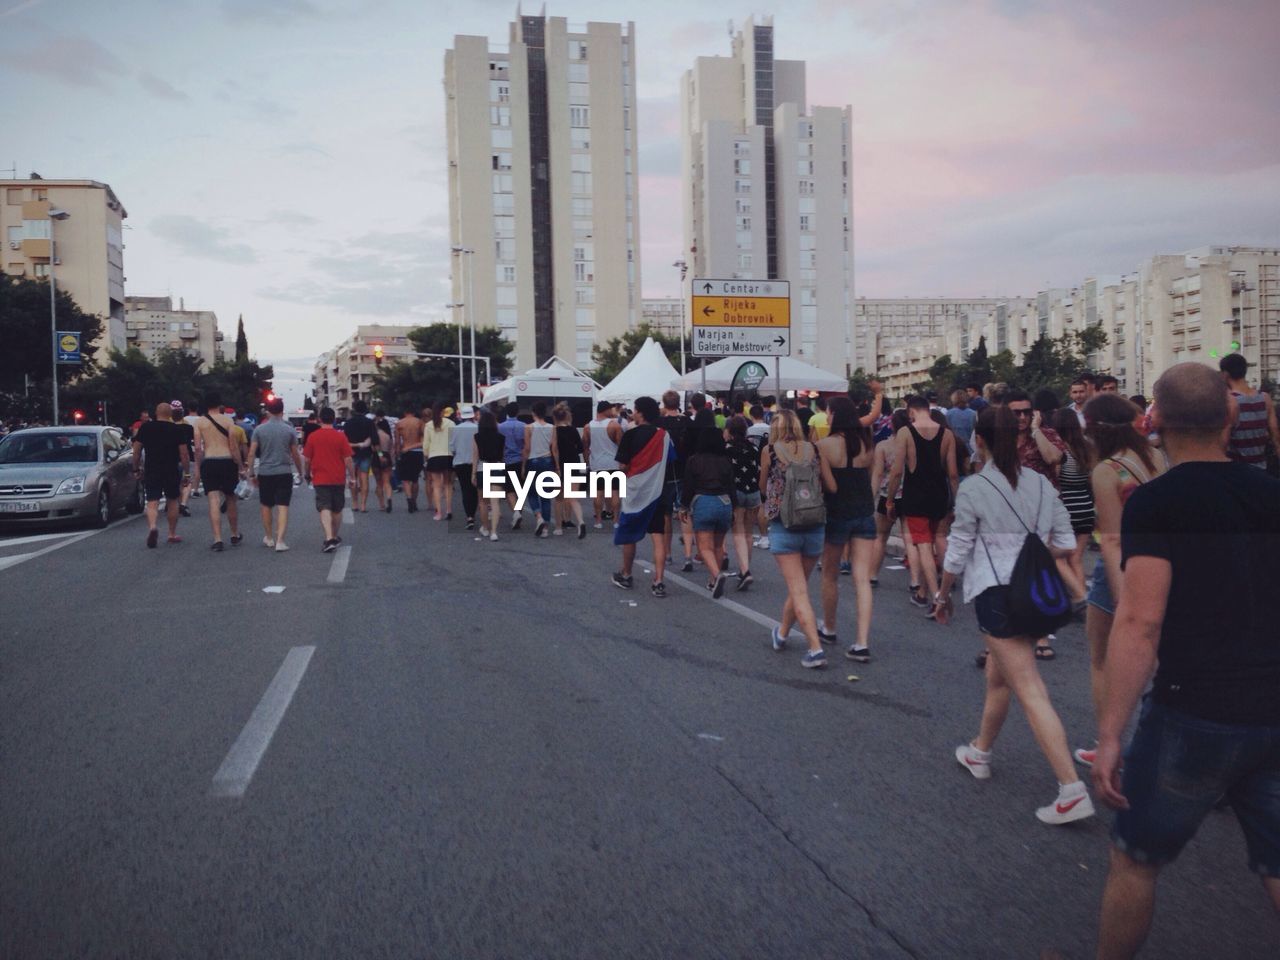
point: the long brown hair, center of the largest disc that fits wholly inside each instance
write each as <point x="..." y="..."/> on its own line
<point x="998" y="428"/>
<point x="1108" y="421"/>
<point x="437" y="414"/>
<point x="1067" y="425"/>
<point x="845" y="424"/>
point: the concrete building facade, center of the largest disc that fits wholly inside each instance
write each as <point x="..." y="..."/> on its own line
<point x="664" y="314"/>
<point x="89" y="261"/>
<point x="345" y="374"/>
<point x="542" y="184"/>
<point x="766" y="191"/>
<point x="153" y="325"/>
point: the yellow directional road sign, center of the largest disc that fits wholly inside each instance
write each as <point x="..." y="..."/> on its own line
<point x="736" y="317"/>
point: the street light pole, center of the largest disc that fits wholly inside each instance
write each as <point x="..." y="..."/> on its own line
<point x="462" y="386"/>
<point x="469" y="253"/>
<point x="54" y="216"/>
<point x="683" y="267"/>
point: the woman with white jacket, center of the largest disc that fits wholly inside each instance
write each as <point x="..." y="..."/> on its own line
<point x="994" y="510"/>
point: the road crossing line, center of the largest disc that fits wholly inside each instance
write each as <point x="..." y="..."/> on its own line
<point x="738" y="608"/>
<point x="232" y="778"/>
<point x="348" y="516"/>
<point x="338" y="569"/>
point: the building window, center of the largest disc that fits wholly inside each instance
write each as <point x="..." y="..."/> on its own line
<point x="500" y="116"/>
<point x="15" y="234"/>
<point x="742" y="167"/>
<point x="16" y="269"/>
<point x="744" y="261"/>
<point x="13" y="196"/>
<point x="579" y="116"/>
<point x="742" y="148"/>
<point x="502" y="161"/>
<point x="742" y="206"/>
<point x="579" y="138"/>
<point x="501" y="138"/>
<point x="806" y="222"/>
<point x="578" y="73"/>
<point x="502" y="183"/>
<point x="40" y="268"/>
<point x="582" y="206"/>
<point x="579" y="93"/>
<point x="584" y="296"/>
<point x="804" y="168"/>
<point x="580" y="163"/>
<point x="36" y="229"/>
<point x="577" y="50"/>
<point x="806" y="188"/>
<point x="580" y="182"/>
<point x="744" y="223"/>
<point x="499" y="92"/>
<point x="741" y="186"/>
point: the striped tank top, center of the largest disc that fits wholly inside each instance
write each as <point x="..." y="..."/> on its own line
<point x="1248" y="441"/>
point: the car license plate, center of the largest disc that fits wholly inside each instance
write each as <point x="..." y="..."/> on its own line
<point x="19" y="507"/>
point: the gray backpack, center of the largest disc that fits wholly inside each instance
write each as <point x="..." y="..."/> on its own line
<point x="802" y="506"/>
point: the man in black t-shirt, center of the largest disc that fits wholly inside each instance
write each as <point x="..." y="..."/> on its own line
<point x="1201" y="558"/>
<point x="163" y="470"/>
<point x="363" y="438"/>
<point x="677" y="427"/>
<point x="643" y="509"/>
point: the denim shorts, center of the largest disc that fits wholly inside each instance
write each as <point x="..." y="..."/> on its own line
<point x="992" y="609"/>
<point x="748" y="501"/>
<point x="712" y="514"/>
<point x="1178" y="767"/>
<point x="1100" y="589"/>
<point x="782" y="540"/>
<point x="839" y="532"/>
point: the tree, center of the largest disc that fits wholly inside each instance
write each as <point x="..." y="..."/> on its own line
<point x="26" y="345"/>
<point x="242" y="342"/>
<point x="410" y="386"/>
<point x="241" y="385"/>
<point x="610" y="360"/>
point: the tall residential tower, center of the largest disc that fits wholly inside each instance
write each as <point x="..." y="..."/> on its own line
<point x="767" y="188"/>
<point x="542" y="184"/>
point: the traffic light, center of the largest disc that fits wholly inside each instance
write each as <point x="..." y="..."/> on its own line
<point x="377" y="354"/>
<point x="78" y="416"/>
<point x="270" y="396"/>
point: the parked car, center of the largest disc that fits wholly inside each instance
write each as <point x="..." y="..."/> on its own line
<point x="67" y="474"/>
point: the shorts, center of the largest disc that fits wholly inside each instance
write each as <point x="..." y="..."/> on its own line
<point x="712" y="514"/>
<point x="331" y="497"/>
<point x="923" y="529"/>
<point x="275" y="489"/>
<point x="1100" y="590"/>
<point x="670" y="497"/>
<point x="497" y="475"/>
<point x="839" y="532"/>
<point x="362" y="457"/>
<point x="625" y="532"/>
<point x="992" y="609"/>
<point x="882" y="506"/>
<point x="1177" y="767"/>
<point x="806" y="542"/>
<point x="749" y="501"/>
<point x="439" y="464"/>
<point x="220" y="476"/>
<point x="168" y="485"/>
<point x="409" y="466"/>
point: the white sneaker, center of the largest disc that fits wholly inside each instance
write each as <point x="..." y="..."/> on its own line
<point x="268" y="542"/>
<point x="974" y="760"/>
<point x="1073" y="804"/>
<point x="281" y="547"/>
<point x="764" y="543"/>
<point x="493" y="535"/>
<point x="598" y="525"/>
<point x="558" y="532"/>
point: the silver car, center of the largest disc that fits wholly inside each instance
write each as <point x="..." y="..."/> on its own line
<point x="66" y="474"/>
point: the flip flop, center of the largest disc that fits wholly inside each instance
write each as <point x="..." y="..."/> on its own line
<point x="1045" y="653"/>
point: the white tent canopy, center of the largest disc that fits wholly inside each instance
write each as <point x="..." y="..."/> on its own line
<point x="795" y="375"/>
<point x="648" y="374"/>
<point x="555" y="372"/>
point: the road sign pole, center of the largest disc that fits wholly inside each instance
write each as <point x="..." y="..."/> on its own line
<point x="777" y="376"/>
<point x="703" y="368"/>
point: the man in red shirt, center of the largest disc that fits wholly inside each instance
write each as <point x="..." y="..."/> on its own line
<point x="329" y="467"/>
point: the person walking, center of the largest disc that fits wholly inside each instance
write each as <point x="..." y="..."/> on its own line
<point x="538" y="437"/>
<point x="1200" y="568"/>
<point x="384" y="434"/>
<point x="512" y="431"/>
<point x="164" y="471"/>
<point x="410" y="461"/>
<point x="360" y="433"/>
<point x="797" y="550"/>
<point x="566" y="448"/>
<point x="845" y="457"/>
<point x="881" y="467"/>
<point x="488" y="447"/>
<point x="961" y="420"/>
<point x="187" y="430"/>
<point x="439" y="462"/>
<point x="275" y="445"/>
<point x="925" y="468"/>
<point x="329" y="464"/>
<point x="707" y="499"/>
<point x="1255" y="421"/>
<point x="220" y="464"/>
<point x="744" y="457"/>
<point x="995" y="512"/>
<point x="461" y="445"/>
<point x="643" y="453"/>
<point x="1125" y="461"/>
<point x="1077" y="496"/>
<point x="600" y="446"/>
<point x="679" y="428"/>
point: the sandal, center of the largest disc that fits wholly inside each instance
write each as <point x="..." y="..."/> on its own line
<point x="981" y="660"/>
<point x="1045" y="653"/>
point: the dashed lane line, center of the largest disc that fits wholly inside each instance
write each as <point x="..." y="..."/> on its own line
<point x="232" y="778"/>
<point x="338" y="569"/>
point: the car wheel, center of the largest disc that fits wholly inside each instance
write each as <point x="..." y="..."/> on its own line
<point x="103" y="515"/>
<point x="138" y="502"/>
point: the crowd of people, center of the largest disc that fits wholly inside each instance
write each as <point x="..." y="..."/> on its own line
<point x="1000" y="494"/>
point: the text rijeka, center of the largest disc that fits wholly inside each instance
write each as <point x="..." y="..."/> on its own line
<point x="576" y="483"/>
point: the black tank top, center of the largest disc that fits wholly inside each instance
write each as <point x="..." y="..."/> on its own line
<point x="924" y="489"/>
<point x="569" y="444"/>
<point x="852" y="498"/>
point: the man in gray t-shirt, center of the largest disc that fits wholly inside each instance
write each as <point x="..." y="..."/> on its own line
<point x="275" y="445"/>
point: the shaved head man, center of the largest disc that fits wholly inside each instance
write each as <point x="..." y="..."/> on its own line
<point x="161" y="464"/>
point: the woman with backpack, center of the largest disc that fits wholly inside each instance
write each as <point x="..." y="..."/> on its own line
<point x="792" y="490"/>
<point x="1005" y="518"/>
<point x="845" y="457"/>
<point x="745" y="458"/>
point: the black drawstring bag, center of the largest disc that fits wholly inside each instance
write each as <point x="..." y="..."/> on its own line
<point x="1038" y="600"/>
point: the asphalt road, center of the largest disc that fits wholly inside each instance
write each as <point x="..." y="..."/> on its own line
<point x="487" y="750"/>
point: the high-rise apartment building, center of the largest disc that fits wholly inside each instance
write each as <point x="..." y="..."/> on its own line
<point x="152" y="325"/>
<point x="767" y="188"/>
<point x="542" y="184"/>
<point x="88" y="262"/>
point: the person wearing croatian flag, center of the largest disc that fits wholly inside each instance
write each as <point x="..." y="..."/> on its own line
<point x="643" y="453"/>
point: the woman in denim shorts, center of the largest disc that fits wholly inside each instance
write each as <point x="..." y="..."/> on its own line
<point x="796" y="551"/>
<point x="707" y="497"/>
<point x="845" y="458"/>
<point x="745" y="458"/>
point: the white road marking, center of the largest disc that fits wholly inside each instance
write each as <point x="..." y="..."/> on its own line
<point x="348" y="516"/>
<point x="232" y="778"/>
<point x="273" y="589"/>
<point x="19" y="541"/>
<point x="338" y="569"/>
<point x="8" y="562"/>
<point x="733" y="605"/>
<point x="710" y="736"/>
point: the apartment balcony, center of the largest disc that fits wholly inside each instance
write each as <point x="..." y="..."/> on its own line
<point x="189" y="334"/>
